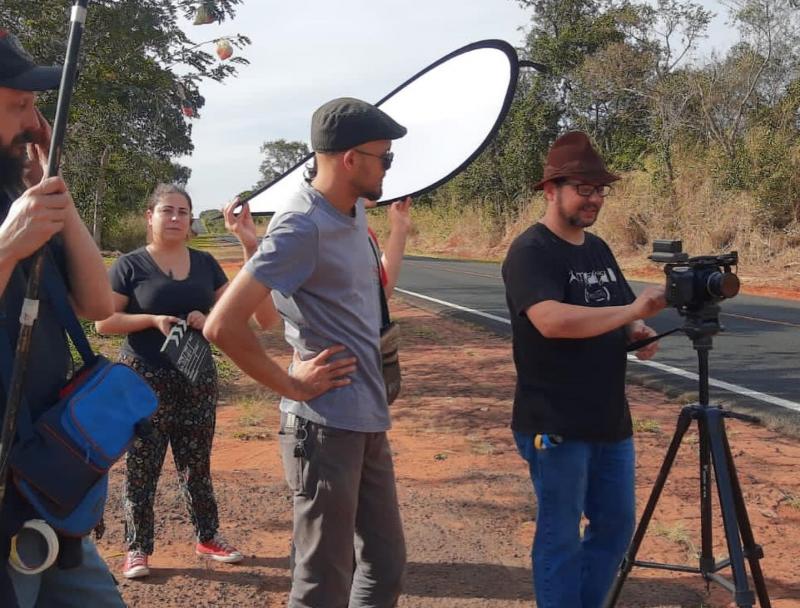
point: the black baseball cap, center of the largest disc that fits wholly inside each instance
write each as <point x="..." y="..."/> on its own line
<point x="345" y="123"/>
<point x="19" y="71"/>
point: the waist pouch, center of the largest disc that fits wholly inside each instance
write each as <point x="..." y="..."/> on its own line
<point x="390" y="360"/>
<point x="61" y="467"/>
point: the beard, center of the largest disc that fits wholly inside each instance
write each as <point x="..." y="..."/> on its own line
<point x="13" y="160"/>
<point x="372" y="194"/>
<point x="575" y="219"/>
<point x="368" y="188"/>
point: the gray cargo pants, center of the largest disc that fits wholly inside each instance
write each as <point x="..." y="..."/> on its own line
<point x="345" y="504"/>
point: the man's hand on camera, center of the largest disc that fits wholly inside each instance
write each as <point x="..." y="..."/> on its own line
<point x="33" y="218"/>
<point x="639" y="331"/>
<point x="650" y="302"/>
<point x="318" y="375"/>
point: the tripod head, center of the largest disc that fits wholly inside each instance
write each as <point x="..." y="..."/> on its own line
<point x="702" y="325"/>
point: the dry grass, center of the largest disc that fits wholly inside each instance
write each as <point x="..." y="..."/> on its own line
<point x="253" y="410"/>
<point x="793" y="501"/>
<point x="677" y="533"/>
<point x="704" y="218"/>
<point x="646" y="426"/>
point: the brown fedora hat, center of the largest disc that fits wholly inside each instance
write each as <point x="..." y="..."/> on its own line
<point x="572" y="155"/>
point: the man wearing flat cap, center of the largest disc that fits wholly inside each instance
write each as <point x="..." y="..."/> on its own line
<point x="572" y="315"/>
<point x="317" y="263"/>
<point x="35" y="212"/>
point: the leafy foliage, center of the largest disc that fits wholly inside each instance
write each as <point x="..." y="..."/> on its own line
<point x="624" y="72"/>
<point x="139" y="76"/>
<point x="280" y="156"/>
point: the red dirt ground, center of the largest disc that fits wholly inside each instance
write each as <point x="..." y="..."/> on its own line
<point x="465" y="494"/>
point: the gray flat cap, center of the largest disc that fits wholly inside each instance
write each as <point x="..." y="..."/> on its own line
<point x="345" y="123"/>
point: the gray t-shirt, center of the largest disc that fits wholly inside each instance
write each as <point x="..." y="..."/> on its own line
<point x="323" y="275"/>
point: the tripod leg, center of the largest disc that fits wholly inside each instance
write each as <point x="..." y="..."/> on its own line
<point x="707" y="561"/>
<point x="684" y="419"/>
<point x="743" y="597"/>
<point x="752" y="550"/>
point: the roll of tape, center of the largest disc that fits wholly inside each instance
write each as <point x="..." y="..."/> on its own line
<point x="35" y="547"/>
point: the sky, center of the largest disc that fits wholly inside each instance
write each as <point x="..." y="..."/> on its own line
<point x="305" y="52"/>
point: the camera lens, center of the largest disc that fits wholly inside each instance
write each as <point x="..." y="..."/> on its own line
<point x="722" y="285"/>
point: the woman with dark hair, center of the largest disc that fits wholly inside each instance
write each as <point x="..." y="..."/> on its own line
<point x="154" y="287"/>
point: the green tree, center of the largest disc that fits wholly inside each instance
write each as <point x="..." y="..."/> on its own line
<point x="280" y="156"/>
<point x="504" y="173"/>
<point x="638" y="89"/>
<point x="754" y="74"/>
<point x="137" y="93"/>
<point x="562" y="33"/>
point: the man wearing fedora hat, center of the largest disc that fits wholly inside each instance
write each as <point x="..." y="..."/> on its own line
<point x="572" y="316"/>
<point x="317" y="264"/>
<point x="33" y="212"/>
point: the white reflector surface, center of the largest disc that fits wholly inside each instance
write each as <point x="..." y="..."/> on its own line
<point x="451" y="109"/>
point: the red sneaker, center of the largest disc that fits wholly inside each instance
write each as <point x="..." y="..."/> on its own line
<point x="135" y="565"/>
<point x="218" y="549"/>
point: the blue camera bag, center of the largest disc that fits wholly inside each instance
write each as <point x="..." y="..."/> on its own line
<point x="60" y="462"/>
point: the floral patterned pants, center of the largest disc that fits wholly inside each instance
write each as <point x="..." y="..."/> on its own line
<point x="185" y="419"/>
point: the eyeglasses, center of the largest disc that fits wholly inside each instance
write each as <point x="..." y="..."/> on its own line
<point x="386" y="157"/>
<point x="586" y="190"/>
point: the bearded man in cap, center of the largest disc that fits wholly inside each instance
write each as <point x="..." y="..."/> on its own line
<point x="316" y="262"/>
<point x="44" y="213"/>
<point x="572" y="316"/>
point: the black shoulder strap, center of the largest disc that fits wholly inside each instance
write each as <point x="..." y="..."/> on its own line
<point x="54" y="284"/>
<point x="385" y="320"/>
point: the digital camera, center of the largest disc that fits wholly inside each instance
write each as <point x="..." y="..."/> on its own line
<point x="694" y="283"/>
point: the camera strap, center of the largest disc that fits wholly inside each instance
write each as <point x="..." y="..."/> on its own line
<point x="385" y="320"/>
<point x="633" y="346"/>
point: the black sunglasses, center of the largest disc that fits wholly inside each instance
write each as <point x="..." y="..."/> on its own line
<point x="386" y="157"/>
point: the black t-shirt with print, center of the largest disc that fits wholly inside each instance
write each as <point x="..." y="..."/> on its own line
<point x="571" y="387"/>
<point x="150" y="291"/>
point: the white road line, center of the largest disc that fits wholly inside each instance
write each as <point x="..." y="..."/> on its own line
<point x="758" y="319"/>
<point x="472" y="311"/>
<point x="734" y="388"/>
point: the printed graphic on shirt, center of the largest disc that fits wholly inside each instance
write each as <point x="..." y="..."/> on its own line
<point x="595" y="285"/>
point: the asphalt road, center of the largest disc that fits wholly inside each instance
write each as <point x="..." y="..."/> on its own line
<point x="754" y="365"/>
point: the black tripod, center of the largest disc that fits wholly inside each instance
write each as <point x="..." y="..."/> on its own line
<point x="714" y="449"/>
